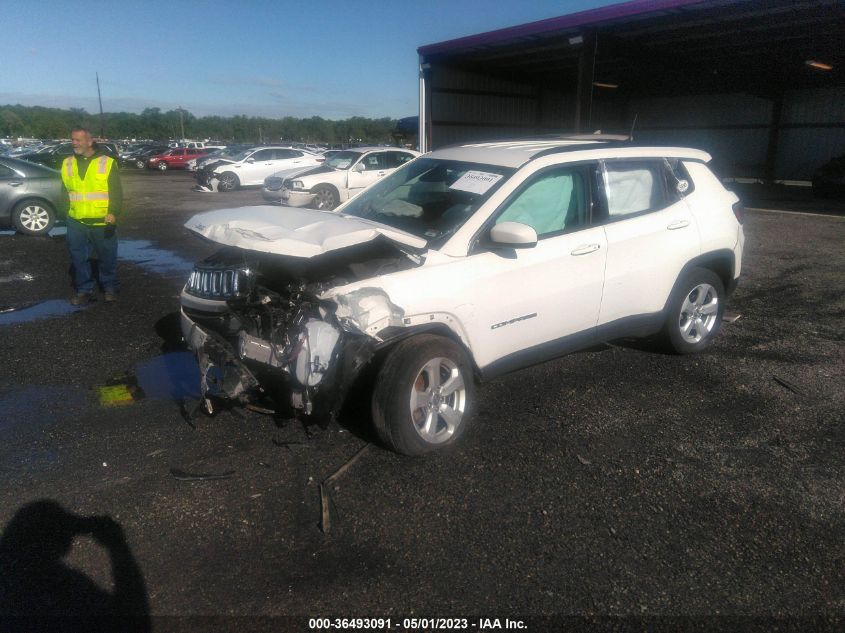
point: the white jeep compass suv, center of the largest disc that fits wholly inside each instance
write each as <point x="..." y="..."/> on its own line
<point x="465" y="263"/>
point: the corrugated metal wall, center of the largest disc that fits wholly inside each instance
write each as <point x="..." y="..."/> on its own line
<point x="734" y="128"/>
<point x="803" y="149"/>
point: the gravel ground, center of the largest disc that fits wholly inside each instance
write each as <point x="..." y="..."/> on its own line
<point x="618" y="482"/>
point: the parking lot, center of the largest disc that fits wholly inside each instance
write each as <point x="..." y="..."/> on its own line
<point x="615" y="482"/>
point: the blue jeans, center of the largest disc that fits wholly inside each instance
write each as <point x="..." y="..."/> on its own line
<point x="81" y="240"/>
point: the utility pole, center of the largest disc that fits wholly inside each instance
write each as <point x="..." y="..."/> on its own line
<point x="181" y="122"/>
<point x="100" y="99"/>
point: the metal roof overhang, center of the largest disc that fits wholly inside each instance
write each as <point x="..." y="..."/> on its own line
<point x="667" y="47"/>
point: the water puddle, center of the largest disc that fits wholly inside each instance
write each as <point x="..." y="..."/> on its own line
<point x="43" y="310"/>
<point x="37" y="407"/>
<point x="157" y="260"/>
<point x="172" y="376"/>
<point x="56" y="231"/>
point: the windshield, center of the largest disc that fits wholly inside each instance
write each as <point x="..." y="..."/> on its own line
<point x="429" y="198"/>
<point x="238" y="157"/>
<point x="342" y="160"/>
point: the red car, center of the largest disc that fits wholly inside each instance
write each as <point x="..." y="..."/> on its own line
<point x="174" y="158"/>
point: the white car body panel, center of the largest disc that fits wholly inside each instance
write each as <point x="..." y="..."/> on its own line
<point x="499" y="305"/>
<point x="715" y="228"/>
<point x="644" y="258"/>
<point x="290" y="231"/>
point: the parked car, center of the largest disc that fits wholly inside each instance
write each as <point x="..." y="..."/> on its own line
<point x="138" y="158"/>
<point x="339" y="177"/>
<point x="212" y="154"/>
<point x="174" y="158"/>
<point x="31" y="196"/>
<point x="463" y="264"/>
<point x="252" y="166"/>
<point x="53" y="155"/>
<point x="829" y="179"/>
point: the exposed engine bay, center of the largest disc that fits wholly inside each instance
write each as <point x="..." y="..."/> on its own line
<point x="259" y="325"/>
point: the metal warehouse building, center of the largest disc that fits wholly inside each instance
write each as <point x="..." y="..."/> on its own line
<point x="760" y="84"/>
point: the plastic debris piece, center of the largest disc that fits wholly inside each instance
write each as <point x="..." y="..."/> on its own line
<point x="120" y="390"/>
<point x="327" y="484"/>
<point x="181" y="475"/>
<point x="583" y="460"/>
<point x="257" y="409"/>
<point x="287" y="445"/>
<point x="789" y="385"/>
<point x="727" y="317"/>
<point x="115" y="396"/>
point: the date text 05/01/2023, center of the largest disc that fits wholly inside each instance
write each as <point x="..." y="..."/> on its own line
<point x="414" y="624"/>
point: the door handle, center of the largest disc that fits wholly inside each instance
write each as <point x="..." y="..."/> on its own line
<point x="15" y="183"/>
<point x="584" y="249"/>
<point x="680" y="224"/>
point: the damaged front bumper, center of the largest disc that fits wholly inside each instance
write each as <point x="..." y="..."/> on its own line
<point x="314" y="369"/>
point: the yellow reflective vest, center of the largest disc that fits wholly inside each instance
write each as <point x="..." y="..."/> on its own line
<point x="89" y="196"/>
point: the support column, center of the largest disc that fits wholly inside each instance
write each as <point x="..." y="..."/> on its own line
<point x="774" y="139"/>
<point x="424" y="132"/>
<point x="584" y="93"/>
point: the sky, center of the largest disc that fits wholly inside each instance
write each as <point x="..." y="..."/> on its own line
<point x="329" y="58"/>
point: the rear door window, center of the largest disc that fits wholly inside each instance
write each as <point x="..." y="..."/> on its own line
<point x="636" y="187"/>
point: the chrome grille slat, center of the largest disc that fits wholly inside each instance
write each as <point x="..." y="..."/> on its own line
<point x="216" y="283"/>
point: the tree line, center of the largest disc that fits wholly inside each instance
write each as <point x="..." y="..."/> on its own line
<point x="40" y="122"/>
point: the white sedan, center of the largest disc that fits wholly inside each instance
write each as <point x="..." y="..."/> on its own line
<point x="252" y="166"/>
<point x="338" y="179"/>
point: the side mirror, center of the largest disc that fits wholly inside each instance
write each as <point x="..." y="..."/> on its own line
<point x="250" y="160"/>
<point x="513" y="235"/>
<point x="359" y="167"/>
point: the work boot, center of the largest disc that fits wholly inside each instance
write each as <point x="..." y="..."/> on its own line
<point x="80" y="298"/>
<point x="109" y="297"/>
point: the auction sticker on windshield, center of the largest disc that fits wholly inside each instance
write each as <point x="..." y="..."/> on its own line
<point x="476" y="182"/>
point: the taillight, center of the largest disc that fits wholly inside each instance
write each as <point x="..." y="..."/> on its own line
<point x="739" y="212"/>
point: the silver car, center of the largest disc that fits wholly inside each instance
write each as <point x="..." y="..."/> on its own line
<point x="31" y="196"/>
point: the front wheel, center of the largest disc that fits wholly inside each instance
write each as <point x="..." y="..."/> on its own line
<point x="228" y="181"/>
<point x="33" y="218"/>
<point x="325" y="197"/>
<point x="162" y="166"/>
<point x="695" y="312"/>
<point x="422" y="396"/>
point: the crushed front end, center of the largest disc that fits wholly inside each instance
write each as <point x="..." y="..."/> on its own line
<point x="259" y="327"/>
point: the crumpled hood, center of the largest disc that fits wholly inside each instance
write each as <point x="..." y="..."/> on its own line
<point x="304" y="171"/>
<point x="292" y="231"/>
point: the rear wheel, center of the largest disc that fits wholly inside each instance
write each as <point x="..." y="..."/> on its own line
<point x="422" y="395"/>
<point x="228" y="181"/>
<point x="140" y="164"/>
<point x="695" y="312"/>
<point x="33" y="218"/>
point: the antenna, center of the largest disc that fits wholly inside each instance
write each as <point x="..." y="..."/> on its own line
<point x="633" y="125"/>
<point x="100" y="99"/>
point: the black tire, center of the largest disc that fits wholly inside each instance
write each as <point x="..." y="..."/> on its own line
<point x="409" y="369"/>
<point x="33" y="217"/>
<point x="695" y="312"/>
<point x="228" y="181"/>
<point x="326" y="197"/>
<point x="162" y="166"/>
<point x="140" y="164"/>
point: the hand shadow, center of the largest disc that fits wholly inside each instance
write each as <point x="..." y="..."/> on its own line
<point x="38" y="591"/>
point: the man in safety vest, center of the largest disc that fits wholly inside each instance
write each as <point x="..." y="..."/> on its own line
<point x="93" y="186"/>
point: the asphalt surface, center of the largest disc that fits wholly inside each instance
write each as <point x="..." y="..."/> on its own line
<point x="666" y="491"/>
